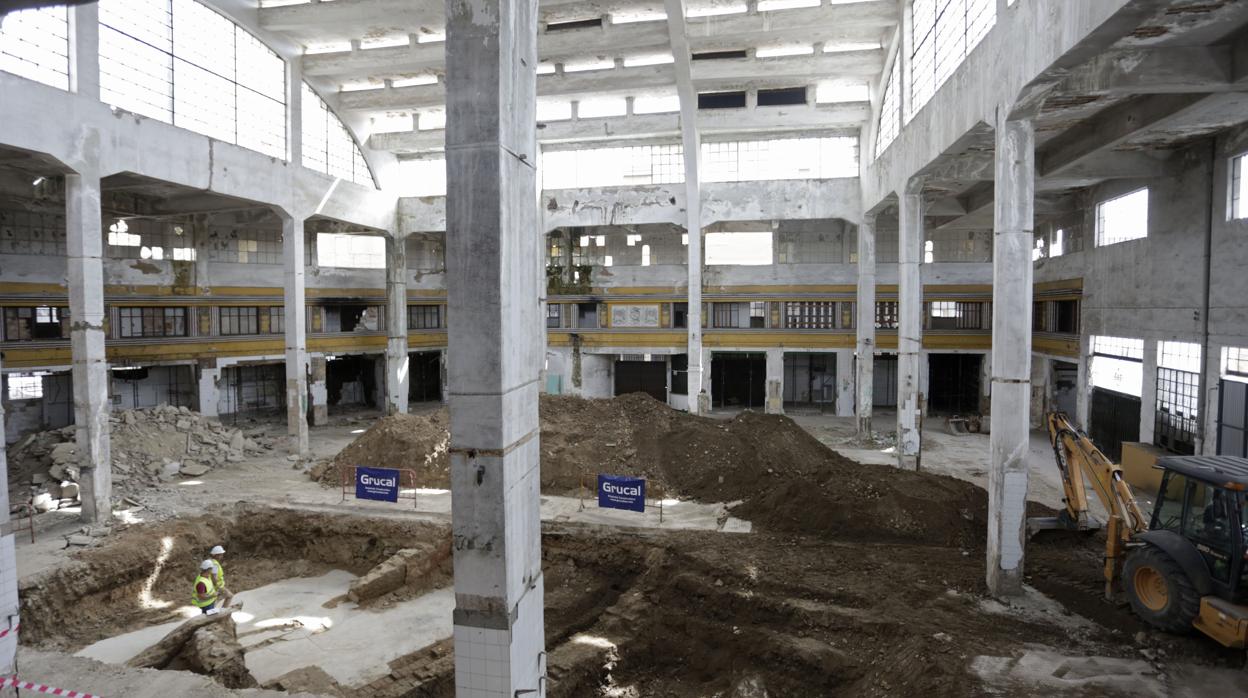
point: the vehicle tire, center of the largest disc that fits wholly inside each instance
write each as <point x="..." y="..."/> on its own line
<point x="1160" y="592"/>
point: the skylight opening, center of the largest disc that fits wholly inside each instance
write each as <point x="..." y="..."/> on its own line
<point x="790" y="50"/>
<point x="648" y="59"/>
<point x="588" y="64"/>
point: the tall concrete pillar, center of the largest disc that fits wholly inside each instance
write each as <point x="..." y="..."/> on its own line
<point x="1210" y="388"/>
<point x="909" y="327"/>
<point x="296" y="332"/>
<point x="775" y="382"/>
<point x="8" y="570"/>
<point x="1148" y="391"/>
<point x="84" y="244"/>
<point x="493" y="290"/>
<point x="396" y="324"/>
<point x="1083" y="382"/>
<point x="699" y="403"/>
<point x="865" y="367"/>
<point x="1011" y="353"/>
<point x="318" y="389"/>
<point x="209" y="393"/>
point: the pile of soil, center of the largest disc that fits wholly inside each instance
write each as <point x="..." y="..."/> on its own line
<point x="780" y="477"/>
<point x="147" y="447"/>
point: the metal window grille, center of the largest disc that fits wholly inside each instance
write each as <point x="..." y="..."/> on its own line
<point x="183" y="63"/>
<point x="970" y="315"/>
<point x="25" y="386"/>
<point x="1236" y="361"/>
<point x="727" y="314"/>
<point x="890" y="110"/>
<point x="1178" y="399"/>
<point x="943" y="33"/>
<point x="1183" y="356"/>
<point x="810" y="315"/>
<point x="1122" y="218"/>
<point x="35" y="44"/>
<point x="239" y="320"/>
<point x="32" y="232"/>
<point x="886" y="315"/>
<point x="152" y="322"/>
<point x="327" y="144"/>
<point x="1118" y="347"/>
<point x="247" y="247"/>
<point x="427" y="317"/>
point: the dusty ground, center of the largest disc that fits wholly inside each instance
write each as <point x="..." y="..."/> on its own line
<point x="842" y="590"/>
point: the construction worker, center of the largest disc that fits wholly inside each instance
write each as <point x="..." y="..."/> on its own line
<point x="218" y="574"/>
<point x="205" y="594"/>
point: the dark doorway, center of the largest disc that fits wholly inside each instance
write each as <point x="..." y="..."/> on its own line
<point x="738" y="380"/>
<point x="809" y="379"/>
<point x="251" y="391"/>
<point x="351" y="380"/>
<point x="1233" y="418"/>
<point x="1115" y="418"/>
<point x="425" y="382"/>
<point x="1065" y="388"/>
<point x="884" y="382"/>
<point x="648" y="377"/>
<point x="953" y="382"/>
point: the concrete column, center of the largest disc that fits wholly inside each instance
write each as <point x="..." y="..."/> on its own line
<point x="294" y="109"/>
<point x="1083" y="396"/>
<point x="1207" y="440"/>
<point x="865" y="373"/>
<point x="1148" y="392"/>
<point x="1011" y="353"/>
<point x="209" y="390"/>
<point x="84" y="50"/>
<point x="775" y="382"/>
<point x="318" y="390"/>
<point x="296" y="332"/>
<point x="85" y="250"/>
<point x="494" y="338"/>
<point x="701" y="402"/>
<point x="845" y="383"/>
<point x="8" y="571"/>
<point x="396" y="324"/>
<point x="909" y="328"/>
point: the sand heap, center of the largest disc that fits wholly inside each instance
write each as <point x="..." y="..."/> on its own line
<point x="147" y="446"/>
<point x="776" y="473"/>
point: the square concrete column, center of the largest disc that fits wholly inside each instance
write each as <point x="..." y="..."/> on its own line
<point x="909" y="328"/>
<point x="8" y="571"/>
<point x="845" y="383"/>
<point x="494" y="356"/>
<point x="1210" y="389"/>
<point x="85" y="249"/>
<point x="1011" y="353"/>
<point x="296" y="332"/>
<point x="775" y="381"/>
<point x="396" y="324"/>
<point x="1148" y="391"/>
<point x="700" y="402"/>
<point x="318" y="389"/>
<point x="209" y="392"/>
<point x="864" y="379"/>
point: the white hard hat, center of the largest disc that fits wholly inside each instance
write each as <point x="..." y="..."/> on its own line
<point x="206" y="565"/>
<point x="216" y="550"/>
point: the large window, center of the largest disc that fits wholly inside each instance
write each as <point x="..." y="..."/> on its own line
<point x="890" y="110"/>
<point x="328" y="146"/>
<point x="810" y="315"/>
<point x="35" y="44"/>
<point x="239" y="320"/>
<point x="350" y="251"/>
<point x="780" y="158"/>
<point x="738" y="248"/>
<point x="25" y="386"/>
<point x="425" y="317"/>
<point x="1122" y="218"/>
<point x="886" y="315"/>
<point x="609" y="167"/>
<point x="727" y="315"/>
<point x="243" y="246"/>
<point x="1118" y="364"/>
<point x="32" y="232"/>
<point x="1178" y="396"/>
<point x="942" y="34"/>
<point x="183" y="63"/>
<point x="151" y="322"/>
<point x="1239" y="187"/>
<point x="43" y="322"/>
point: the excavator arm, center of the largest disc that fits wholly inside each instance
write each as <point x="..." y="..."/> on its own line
<point x="1083" y="467"/>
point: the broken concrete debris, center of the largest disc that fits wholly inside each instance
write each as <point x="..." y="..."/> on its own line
<point x="148" y="446"/>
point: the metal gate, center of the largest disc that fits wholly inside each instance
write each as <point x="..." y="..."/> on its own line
<point x="1233" y="419"/>
<point x="884" y="382"/>
<point x="1115" y="419"/>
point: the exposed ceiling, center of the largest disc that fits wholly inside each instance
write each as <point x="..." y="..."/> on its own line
<point x="387" y="59"/>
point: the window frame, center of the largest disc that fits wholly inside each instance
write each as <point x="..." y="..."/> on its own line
<point x="1099" y="234"/>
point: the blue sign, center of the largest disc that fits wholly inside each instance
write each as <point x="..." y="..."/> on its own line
<point x="617" y="492"/>
<point x="381" y="484"/>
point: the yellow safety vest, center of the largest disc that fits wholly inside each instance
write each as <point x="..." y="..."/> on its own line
<point x="219" y="577"/>
<point x="210" y="596"/>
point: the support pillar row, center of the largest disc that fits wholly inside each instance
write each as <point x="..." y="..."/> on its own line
<point x="1011" y="354"/>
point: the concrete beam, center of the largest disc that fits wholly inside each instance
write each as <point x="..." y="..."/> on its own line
<point x="1168" y="70"/>
<point x="1108" y="129"/>
<point x="494" y="346"/>
<point x="84" y="244"/>
<point x="1009" y="442"/>
<point x="742" y="72"/>
<point x="720" y="122"/>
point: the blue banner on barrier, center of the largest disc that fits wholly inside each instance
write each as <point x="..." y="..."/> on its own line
<point x="381" y="484"/>
<point x="617" y="492"/>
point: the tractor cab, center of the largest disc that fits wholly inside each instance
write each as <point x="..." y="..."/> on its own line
<point x="1202" y="501"/>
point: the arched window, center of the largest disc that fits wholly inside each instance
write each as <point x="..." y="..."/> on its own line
<point x="327" y="144"/>
<point x="183" y="63"/>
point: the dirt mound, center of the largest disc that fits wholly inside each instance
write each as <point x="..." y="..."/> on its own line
<point x="147" y="446"/>
<point x="783" y="478"/>
<point x="407" y="441"/>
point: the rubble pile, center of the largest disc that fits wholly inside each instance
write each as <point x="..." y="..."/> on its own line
<point x="148" y="446"/>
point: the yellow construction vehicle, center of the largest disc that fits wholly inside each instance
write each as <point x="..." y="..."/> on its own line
<point x="1184" y="566"/>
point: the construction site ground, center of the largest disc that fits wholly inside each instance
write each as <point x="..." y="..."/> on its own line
<point x="702" y="604"/>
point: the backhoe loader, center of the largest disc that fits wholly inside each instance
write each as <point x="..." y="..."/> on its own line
<point x="1183" y="567"/>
